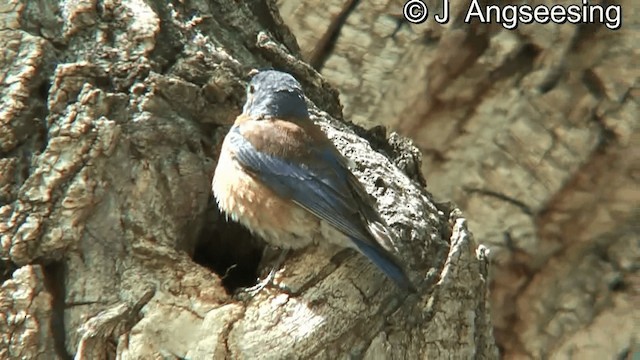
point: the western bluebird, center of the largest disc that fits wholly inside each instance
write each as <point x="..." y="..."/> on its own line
<point x="282" y="178"/>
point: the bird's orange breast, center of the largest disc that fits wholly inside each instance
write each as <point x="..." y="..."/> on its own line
<point x="278" y="221"/>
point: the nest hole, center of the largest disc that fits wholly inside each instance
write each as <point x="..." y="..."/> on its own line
<point x="230" y="250"/>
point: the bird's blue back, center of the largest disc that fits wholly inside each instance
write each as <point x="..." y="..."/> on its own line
<point x="275" y="141"/>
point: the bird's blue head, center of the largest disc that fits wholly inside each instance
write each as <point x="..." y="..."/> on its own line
<point x="274" y="93"/>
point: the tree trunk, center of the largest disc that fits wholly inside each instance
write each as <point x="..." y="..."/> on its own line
<point x="112" y="113"/>
<point x="533" y="132"/>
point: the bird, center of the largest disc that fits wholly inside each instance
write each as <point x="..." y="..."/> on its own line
<point x="281" y="177"/>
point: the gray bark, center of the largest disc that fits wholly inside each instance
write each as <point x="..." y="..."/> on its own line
<point x="111" y="116"/>
<point x="532" y="132"/>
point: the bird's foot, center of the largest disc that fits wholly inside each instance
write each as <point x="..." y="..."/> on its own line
<point x="273" y="264"/>
<point x="268" y="280"/>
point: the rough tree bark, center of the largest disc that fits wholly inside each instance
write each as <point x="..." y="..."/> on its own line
<point x="533" y="132"/>
<point x="111" y="115"/>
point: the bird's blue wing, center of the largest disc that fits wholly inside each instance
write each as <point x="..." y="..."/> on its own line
<point x="323" y="188"/>
<point x="324" y="191"/>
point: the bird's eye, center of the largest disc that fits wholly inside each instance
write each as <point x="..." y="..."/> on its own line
<point x="252" y="89"/>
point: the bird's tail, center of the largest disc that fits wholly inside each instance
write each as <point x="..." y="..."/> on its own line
<point x="386" y="262"/>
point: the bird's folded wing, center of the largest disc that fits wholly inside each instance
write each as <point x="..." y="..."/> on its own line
<point x="320" y="184"/>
